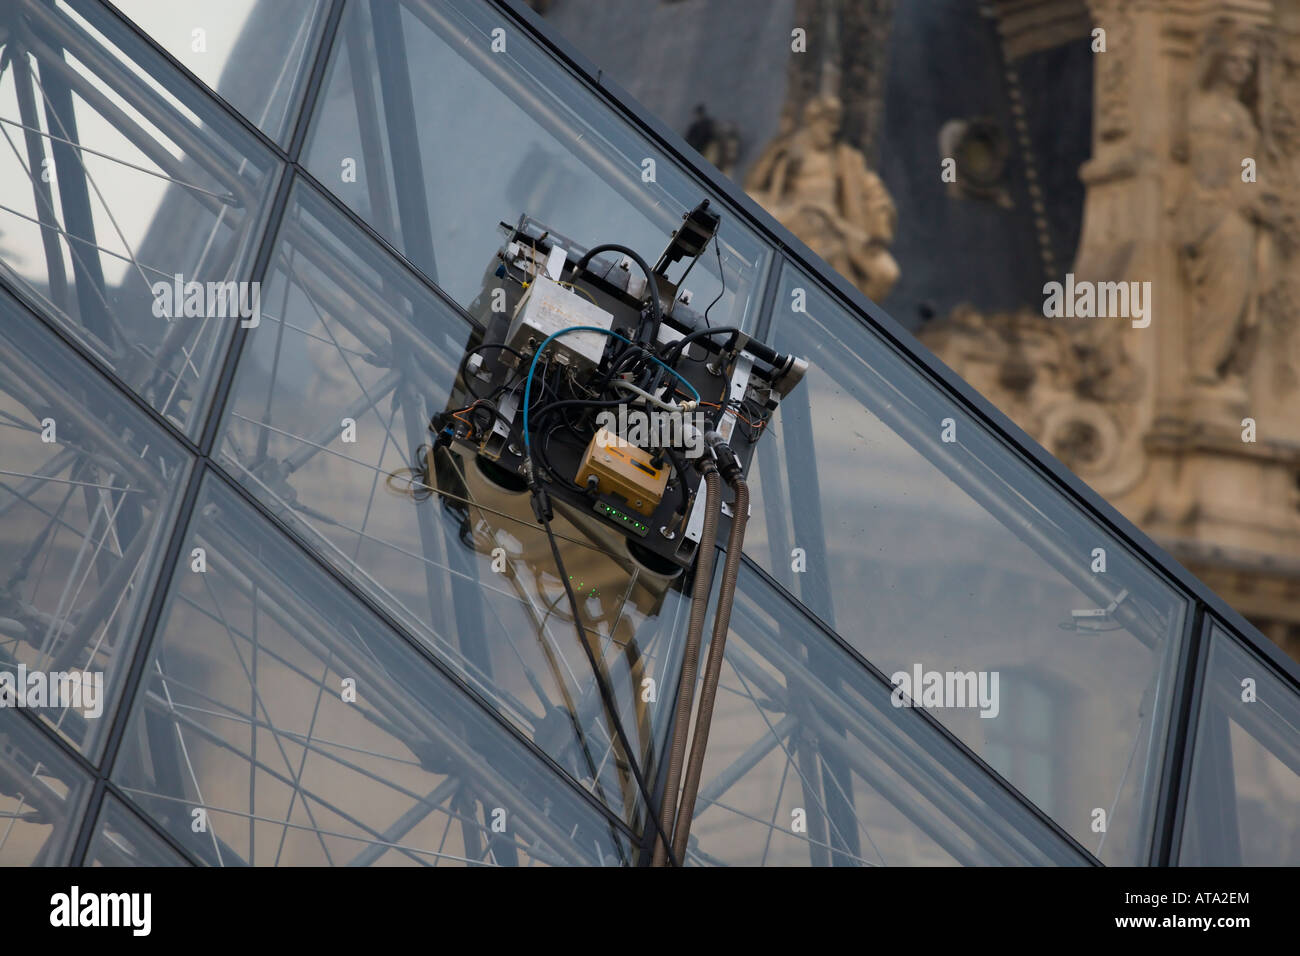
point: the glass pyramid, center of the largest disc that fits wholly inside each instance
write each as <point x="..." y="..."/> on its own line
<point x="298" y="642"/>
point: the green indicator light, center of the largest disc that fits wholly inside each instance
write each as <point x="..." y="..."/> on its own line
<point x="640" y="528"/>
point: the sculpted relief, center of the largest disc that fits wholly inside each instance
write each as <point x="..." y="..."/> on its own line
<point x="1229" y="232"/>
<point x="1224" y="219"/>
<point x="821" y="189"/>
<point x="1229" y="172"/>
<point x="1280" y="303"/>
<point x="1181" y="411"/>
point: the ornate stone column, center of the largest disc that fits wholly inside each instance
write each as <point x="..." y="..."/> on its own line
<point x="1191" y="424"/>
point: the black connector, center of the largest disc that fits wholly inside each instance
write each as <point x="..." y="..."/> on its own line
<point x="542" y="505"/>
<point x="728" y="463"/>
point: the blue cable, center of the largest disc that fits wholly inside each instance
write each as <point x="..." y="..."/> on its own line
<point x="528" y="385"/>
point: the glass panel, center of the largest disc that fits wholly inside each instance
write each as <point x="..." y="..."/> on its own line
<point x="255" y="53"/>
<point x="434" y="131"/>
<point x="1243" y="802"/>
<point x="280" y="723"/>
<point x="349" y="336"/>
<point x="122" y="840"/>
<point x="42" y="794"/>
<point x="115" y="179"/>
<point x="809" y="763"/>
<point x="88" y="487"/>
<point x="937" y="551"/>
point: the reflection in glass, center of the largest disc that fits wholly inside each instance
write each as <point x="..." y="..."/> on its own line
<point x="1243" y="806"/>
<point x="122" y="840"/>
<point x="809" y="763"/>
<point x="434" y="131"/>
<point x="42" y="795"/>
<point x="254" y="53"/>
<point x="954" y="556"/>
<point x="348" y="336"/>
<point x="87" y="489"/>
<point x="115" y="178"/>
<point x="307" y="733"/>
<point x="292" y="722"/>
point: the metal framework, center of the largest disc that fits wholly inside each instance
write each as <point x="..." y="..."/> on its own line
<point x="828" y="726"/>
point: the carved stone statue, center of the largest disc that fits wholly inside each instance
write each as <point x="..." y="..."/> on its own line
<point x="822" y="190"/>
<point x="1222" y="222"/>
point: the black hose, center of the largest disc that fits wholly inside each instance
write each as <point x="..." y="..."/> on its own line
<point x="652" y="284"/>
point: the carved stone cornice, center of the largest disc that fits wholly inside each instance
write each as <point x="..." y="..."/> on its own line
<point x="1027" y="26"/>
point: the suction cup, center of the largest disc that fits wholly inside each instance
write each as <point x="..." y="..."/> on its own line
<point x="499" y="477"/>
<point x="650" y="562"/>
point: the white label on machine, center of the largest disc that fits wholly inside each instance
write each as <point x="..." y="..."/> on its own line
<point x="555" y="263"/>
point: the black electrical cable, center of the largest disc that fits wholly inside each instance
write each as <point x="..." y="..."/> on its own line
<point x="606" y="695"/>
<point x="472" y="413"/>
<point x="676" y="348"/>
<point x="616" y="365"/>
<point x="674" y="351"/>
<point x="722" y="277"/>
<point x="652" y="284"/>
<point x="541" y="405"/>
<point x="572" y="392"/>
<point x="537" y="414"/>
<point x="478" y="348"/>
<point x="639" y="368"/>
<point x="544" y="455"/>
<point x="435" y="425"/>
<point x="679" y="466"/>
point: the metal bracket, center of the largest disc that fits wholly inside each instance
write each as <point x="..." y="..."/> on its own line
<point x="730" y="512"/>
